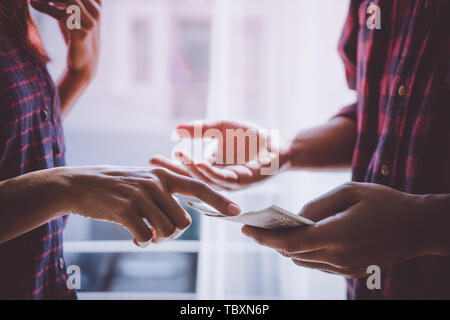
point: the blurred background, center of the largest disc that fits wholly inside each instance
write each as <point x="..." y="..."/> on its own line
<point x="272" y="62"/>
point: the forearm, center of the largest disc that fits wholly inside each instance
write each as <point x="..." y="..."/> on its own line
<point x="71" y="86"/>
<point x="28" y="201"/>
<point x="328" y="146"/>
<point x="435" y="217"/>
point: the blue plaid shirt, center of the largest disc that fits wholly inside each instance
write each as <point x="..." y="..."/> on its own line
<point x="31" y="138"/>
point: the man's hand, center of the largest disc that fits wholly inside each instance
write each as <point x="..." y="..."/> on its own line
<point x="358" y="225"/>
<point x="227" y="168"/>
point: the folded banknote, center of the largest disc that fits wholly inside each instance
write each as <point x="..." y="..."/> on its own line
<point x="270" y="218"/>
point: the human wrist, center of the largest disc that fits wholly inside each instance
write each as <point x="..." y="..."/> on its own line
<point x="285" y="155"/>
<point x="57" y="189"/>
<point x="434" y="210"/>
<point x="297" y="154"/>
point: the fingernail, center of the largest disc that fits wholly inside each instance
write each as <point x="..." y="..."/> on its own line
<point x="177" y="234"/>
<point x="179" y="154"/>
<point x="234" y="209"/>
<point x="143" y="244"/>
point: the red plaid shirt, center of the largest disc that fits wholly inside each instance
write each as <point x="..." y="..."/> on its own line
<point x="31" y="138"/>
<point x="401" y="74"/>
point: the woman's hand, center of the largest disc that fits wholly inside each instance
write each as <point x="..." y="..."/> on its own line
<point x="123" y="195"/>
<point x="359" y="225"/>
<point x="128" y="195"/>
<point x="230" y="168"/>
<point x="83" y="44"/>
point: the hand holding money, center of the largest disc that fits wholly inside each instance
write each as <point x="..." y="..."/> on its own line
<point x="273" y="217"/>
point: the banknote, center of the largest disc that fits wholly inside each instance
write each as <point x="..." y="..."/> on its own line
<point x="273" y="217"/>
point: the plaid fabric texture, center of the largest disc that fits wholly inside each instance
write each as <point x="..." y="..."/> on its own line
<point x="401" y="75"/>
<point x="31" y="138"/>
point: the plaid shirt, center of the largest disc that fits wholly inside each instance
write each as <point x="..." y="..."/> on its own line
<point x="401" y="75"/>
<point x="31" y="138"/>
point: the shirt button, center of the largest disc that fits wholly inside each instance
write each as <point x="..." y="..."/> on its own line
<point x="385" y="170"/>
<point x="402" y="91"/>
<point x="61" y="263"/>
<point x="44" y="114"/>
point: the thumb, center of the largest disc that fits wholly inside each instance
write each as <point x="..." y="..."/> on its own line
<point x="331" y="203"/>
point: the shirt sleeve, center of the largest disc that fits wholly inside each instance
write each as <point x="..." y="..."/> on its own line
<point x="348" y="45"/>
<point x="348" y="112"/>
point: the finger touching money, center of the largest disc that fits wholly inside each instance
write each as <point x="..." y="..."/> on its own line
<point x="270" y="218"/>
